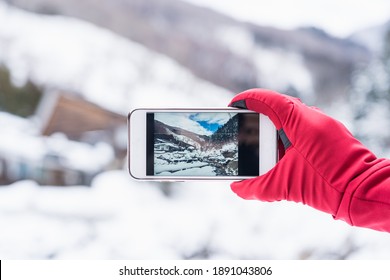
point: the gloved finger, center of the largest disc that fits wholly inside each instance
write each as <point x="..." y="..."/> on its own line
<point x="276" y="106"/>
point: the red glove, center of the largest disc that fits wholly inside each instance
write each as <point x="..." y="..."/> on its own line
<point x="324" y="166"/>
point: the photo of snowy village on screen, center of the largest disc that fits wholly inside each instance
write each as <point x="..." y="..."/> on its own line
<point x="195" y="144"/>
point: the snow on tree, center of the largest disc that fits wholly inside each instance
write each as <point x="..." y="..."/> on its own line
<point x="370" y="101"/>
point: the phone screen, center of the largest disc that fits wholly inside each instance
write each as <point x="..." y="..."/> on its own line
<point x="202" y="144"/>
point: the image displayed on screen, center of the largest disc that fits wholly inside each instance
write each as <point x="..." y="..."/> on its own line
<point x="202" y="144"/>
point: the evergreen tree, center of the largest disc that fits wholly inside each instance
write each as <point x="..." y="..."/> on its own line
<point x="370" y="101"/>
<point x="21" y="101"/>
<point x="386" y="61"/>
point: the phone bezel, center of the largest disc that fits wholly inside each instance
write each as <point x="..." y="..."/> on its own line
<point x="137" y="142"/>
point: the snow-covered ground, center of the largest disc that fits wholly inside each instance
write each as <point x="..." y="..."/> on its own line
<point x="117" y="217"/>
<point x="191" y="162"/>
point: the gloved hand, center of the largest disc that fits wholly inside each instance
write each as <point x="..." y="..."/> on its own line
<point x="324" y="166"/>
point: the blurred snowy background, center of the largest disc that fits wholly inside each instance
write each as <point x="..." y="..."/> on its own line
<point x="70" y="71"/>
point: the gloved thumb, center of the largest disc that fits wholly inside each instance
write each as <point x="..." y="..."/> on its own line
<point x="285" y="181"/>
<point x="261" y="188"/>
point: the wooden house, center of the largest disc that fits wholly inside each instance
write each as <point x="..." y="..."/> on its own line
<point x="81" y="121"/>
<point x="78" y="118"/>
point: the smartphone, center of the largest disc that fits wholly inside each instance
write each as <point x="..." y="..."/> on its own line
<point x="200" y="144"/>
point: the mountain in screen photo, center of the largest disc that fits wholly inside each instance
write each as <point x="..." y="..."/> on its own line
<point x="178" y="151"/>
